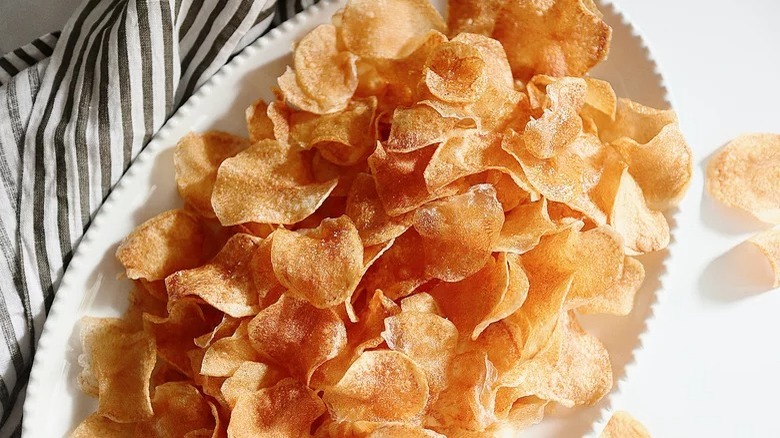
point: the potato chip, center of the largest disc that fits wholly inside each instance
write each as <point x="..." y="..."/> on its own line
<point x="225" y="328"/>
<point x="180" y="410"/>
<point x="225" y="282"/>
<point x="523" y="227"/>
<point x="455" y="72"/>
<point x="401" y="269"/>
<point x="162" y="245"/>
<point x="768" y="242"/>
<point x="499" y="72"/>
<point x="643" y="230"/>
<point x="416" y="127"/>
<point x="458" y="232"/>
<point x="297" y="335"/>
<point x="117" y="364"/>
<point x="283" y="190"/>
<point x="344" y="138"/>
<point x="196" y="159"/>
<point x="600" y="99"/>
<point x="226" y="355"/>
<point x="469" y="400"/>
<point x="623" y="425"/>
<point x="421" y="302"/>
<point x="636" y="121"/>
<point x="142" y="302"/>
<point x="561" y="38"/>
<point x="264" y="279"/>
<point x="496" y="108"/>
<point x="428" y="339"/>
<point x="384" y="29"/>
<point x="279" y="114"/>
<point x="98" y="425"/>
<point x="365" y="209"/>
<point x="476" y="16"/>
<point x="618" y="299"/>
<point x="402" y="431"/>
<point x="321" y="265"/>
<point x="560" y="124"/>
<point x="249" y="378"/>
<point x="379" y="386"/>
<point x="573" y="369"/>
<point x="258" y="124"/>
<point x="175" y="334"/>
<point x="745" y="175"/>
<point x="287" y="409"/>
<point x="209" y="385"/>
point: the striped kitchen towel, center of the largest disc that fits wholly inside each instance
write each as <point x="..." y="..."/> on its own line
<point x="76" y="107"/>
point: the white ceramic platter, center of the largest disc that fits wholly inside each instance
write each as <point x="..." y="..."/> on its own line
<point x="54" y="404"/>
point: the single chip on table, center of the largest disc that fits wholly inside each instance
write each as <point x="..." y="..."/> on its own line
<point x="623" y="425"/>
<point x="162" y="245"/>
<point x="768" y="242"/>
<point x="746" y="175"/>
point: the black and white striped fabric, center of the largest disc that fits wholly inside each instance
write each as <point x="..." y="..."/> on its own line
<point x="76" y="107"/>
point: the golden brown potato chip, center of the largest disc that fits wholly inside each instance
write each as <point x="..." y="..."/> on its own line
<point x="249" y="378"/>
<point x="459" y="232"/>
<point x="561" y="38"/>
<point x="618" y="299"/>
<point x="279" y="179"/>
<point x="379" y="386"/>
<point x="324" y="78"/>
<point x="162" y="245"/>
<point x="416" y="127"/>
<point x="573" y="369"/>
<point x="117" y="364"/>
<point x="499" y="72"/>
<point x="211" y="386"/>
<point x="279" y="114"/>
<point x="768" y="242"/>
<point x="401" y="269"/>
<point x="321" y="265"/>
<point x="455" y="72"/>
<point x="623" y="425"/>
<point x="428" y="339"/>
<point x="385" y="29"/>
<point x="421" y="302"/>
<point x="258" y="124"/>
<point x="287" y="409"/>
<point x="523" y="227"/>
<point x="600" y="98"/>
<point x="344" y="138"/>
<point x="175" y="334"/>
<point x="226" y="355"/>
<point x="262" y="271"/>
<point x="225" y="328"/>
<point x="180" y="410"/>
<point x="746" y="174"/>
<point x="297" y="335"/>
<point x="477" y="16"/>
<point x="196" y="159"/>
<point x="99" y="426"/>
<point x="643" y="230"/>
<point x="636" y="121"/>
<point x="469" y="400"/>
<point x="142" y="302"/>
<point x="225" y="282"/>
<point x="367" y="212"/>
<point x="402" y="431"/>
<point x="560" y="124"/>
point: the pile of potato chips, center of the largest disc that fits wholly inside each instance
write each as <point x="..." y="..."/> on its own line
<point x="402" y="245"/>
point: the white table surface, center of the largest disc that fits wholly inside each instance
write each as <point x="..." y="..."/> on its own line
<point x="710" y="362"/>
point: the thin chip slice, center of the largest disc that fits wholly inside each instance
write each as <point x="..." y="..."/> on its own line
<point x="258" y="124"/>
<point x="746" y="174"/>
<point x="421" y="302"/>
<point x="459" y="232"/>
<point x="401" y="269"/>
<point x="456" y="72"/>
<point x="175" y="334"/>
<point x="196" y="159"/>
<point x="416" y="127"/>
<point x="560" y="124"/>
<point x="321" y="265"/>
<point x="226" y="355"/>
<point x="618" y="299"/>
<point x="379" y="386"/>
<point x="297" y="335"/>
<point x="225" y="282"/>
<point x="523" y="227"/>
<point x="97" y="425"/>
<point x="180" y="410"/>
<point x="768" y="242"/>
<point x="384" y="29"/>
<point x="118" y="363"/>
<point x="402" y="431"/>
<point x="162" y="245"/>
<point x="249" y="378"/>
<point x="287" y="409"/>
<point x="623" y="425"/>
<point x="365" y="209"/>
<point x="279" y="179"/>
<point x="643" y="230"/>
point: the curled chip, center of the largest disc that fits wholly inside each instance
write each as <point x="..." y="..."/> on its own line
<point x="258" y="124"/>
<point x="402" y="431"/>
<point x="117" y="364"/>
<point x="297" y="335"/>
<point x="379" y="386"/>
<point x="249" y="378"/>
<point x="197" y="158"/>
<point x="768" y="242"/>
<point x="523" y="227"/>
<point x="623" y="425"/>
<point x="279" y="179"/>
<point x="618" y="299"/>
<point x="456" y="73"/>
<point x="321" y="265"/>
<point x="162" y="245"/>
<point x="175" y="334"/>
<point x="459" y="232"/>
<point x="98" y="425"/>
<point x="287" y="409"/>
<point x="225" y="282"/>
<point x="401" y="269"/>
<point x="384" y="29"/>
<point x="179" y="410"/>
<point x="560" y="38"/>
<point x="560" y="124"/>
<point x="226" y="355"/>
<point x="416" y="127"/>
<point x="365" y="209"/>
<point x="746" y="174"/>
<point x="325" y="78"/>
<point x="643" y="230"/>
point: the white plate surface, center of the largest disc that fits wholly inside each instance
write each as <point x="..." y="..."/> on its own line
<point x="54" y="404"/>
